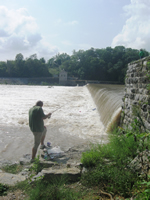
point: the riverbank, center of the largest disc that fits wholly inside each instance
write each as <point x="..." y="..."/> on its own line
<point x="57" y="166"/>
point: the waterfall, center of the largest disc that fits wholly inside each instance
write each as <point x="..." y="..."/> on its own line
<point x="108" y="100"/>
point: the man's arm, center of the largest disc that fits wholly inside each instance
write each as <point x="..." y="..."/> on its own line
<point x="46" y="116"/>
<point x="43" y="116"/>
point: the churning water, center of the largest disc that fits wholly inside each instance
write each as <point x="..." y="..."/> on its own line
<point x="77" y="116"/>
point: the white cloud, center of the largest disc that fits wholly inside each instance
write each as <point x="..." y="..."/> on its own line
<point x="136" y="32"/>
<point x="19" y="33"/>
<point x="59" y="22"/>
<point x="47" y="50"/>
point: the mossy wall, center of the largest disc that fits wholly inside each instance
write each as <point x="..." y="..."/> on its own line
<point x="137" y="92"/>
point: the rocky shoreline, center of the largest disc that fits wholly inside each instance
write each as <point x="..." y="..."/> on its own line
<point x="67" y="162"/>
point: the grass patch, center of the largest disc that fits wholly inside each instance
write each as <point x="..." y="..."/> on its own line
<point x="108" y="164"/>
<point x="56" y="189"/>
<point x="3" y="189"/>
<point x="13" y="169"/>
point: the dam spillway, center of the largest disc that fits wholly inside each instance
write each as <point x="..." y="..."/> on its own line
<point x="108" y="100"/>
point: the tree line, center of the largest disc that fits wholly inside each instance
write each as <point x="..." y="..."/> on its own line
<point x="108" y="64"/>
<point x="20" y="67"/>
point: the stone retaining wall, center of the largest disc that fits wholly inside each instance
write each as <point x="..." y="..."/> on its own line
<point x="137" y="92"/>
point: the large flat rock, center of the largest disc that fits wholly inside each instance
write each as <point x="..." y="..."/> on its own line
<point x="72" y="173"/>
<point x="10" y="179"/>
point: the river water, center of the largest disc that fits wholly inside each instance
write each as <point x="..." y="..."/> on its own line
<point x="76" y="118"/>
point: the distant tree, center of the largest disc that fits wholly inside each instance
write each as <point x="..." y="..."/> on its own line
<point x="3" y="69"/>
<point x="107" y="64"/>
<point x="42" y="60"/>
<point x="19" y="65"/>
<point x="33" y="57"/>
<point x="19" y="57"/>
<point x="11" y="70"/>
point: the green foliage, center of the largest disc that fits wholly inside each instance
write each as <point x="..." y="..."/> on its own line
<point x="97" y="64"/>
<point x="53" y="190"/>
<point x="36" y="166"/>
<point x="148" y="75"/>
<point x="148" y="88"/>
<point x="54" y="71"/>
<point x="14" y="169"/>
<point x="108" y="64"/>
<point x="113" y="178"/>
<point x="90" y="158"/>
<point x="31" y="67"/>
<point x="108" y="164"/>
<point x="143" y="189"/>
<point x="44" y="83"/>
<point x="24" y="186"/>
<point x="148" y="65"/>
<point x="3" y="189"/>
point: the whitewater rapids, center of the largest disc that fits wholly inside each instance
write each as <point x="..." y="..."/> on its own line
<point x="77" y="120"/>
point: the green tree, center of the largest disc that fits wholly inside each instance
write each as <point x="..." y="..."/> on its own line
<point x="3" y="69"/>
<point x="19" y="65"/>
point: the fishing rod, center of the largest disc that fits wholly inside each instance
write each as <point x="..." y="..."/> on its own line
<point x="56" y="110"/>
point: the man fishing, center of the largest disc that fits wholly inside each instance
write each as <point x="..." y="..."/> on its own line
<point x="36" y="124"/>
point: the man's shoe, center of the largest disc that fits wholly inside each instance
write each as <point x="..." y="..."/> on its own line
<point x="42" y="147"/>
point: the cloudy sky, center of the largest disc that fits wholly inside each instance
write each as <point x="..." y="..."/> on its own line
<point x="49" y="27"/>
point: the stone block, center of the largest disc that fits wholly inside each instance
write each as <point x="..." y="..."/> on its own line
<point x="148" y="118"/>
<point x="135" y="80"/>
<point x="145" y="114"/>
<point x="135" y="102"/>
<point x="11" y="179"/>
<point x="72" y="174"/>
<point x="148" y="99"/>
<point x="148" y="108"/>
<point x="131" y="96"/>
<point x="142" y="98"/>
<point x="137" y="97"/>
<point x="133" y="90"/>
<point x="141" y="91"/>
<point x="144" y="107"/>
<point x="147" y="125"/>
<point x="144" y="86"/>
<point x="146" y="92"/>
<point x="145" y="63"/>
<point x="140" y="85"/>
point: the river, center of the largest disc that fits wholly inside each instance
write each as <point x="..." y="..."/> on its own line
<point x="82" y="115"/>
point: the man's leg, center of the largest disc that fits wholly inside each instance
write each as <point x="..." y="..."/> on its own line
<point x="43" y="136"/>
<point x="34" y="151"/>
<point x="37" y="139"/>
